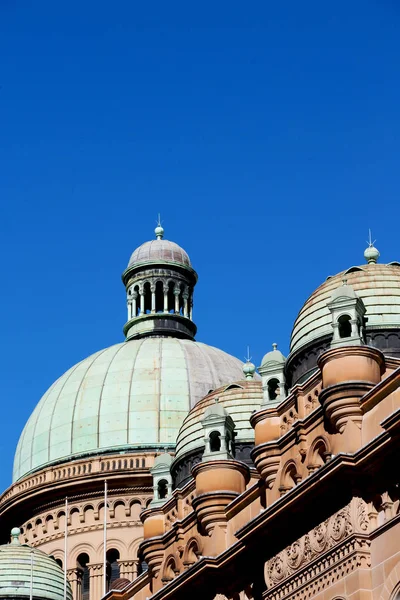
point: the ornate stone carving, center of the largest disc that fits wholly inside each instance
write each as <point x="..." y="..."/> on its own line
<point x="327" y="535"/>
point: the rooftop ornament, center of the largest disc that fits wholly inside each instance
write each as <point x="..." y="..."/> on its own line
<point x="371" y="254"/>
<point x="248" y="368"/>
<point x="159" y="230"/>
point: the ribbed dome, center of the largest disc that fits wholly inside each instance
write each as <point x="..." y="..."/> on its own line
<point x="15" y="573"/>
<point x="159" y="250"/>
<point x="377" y="285"/>
<point x="240" y="399"/>
<point x="133" y="394"/>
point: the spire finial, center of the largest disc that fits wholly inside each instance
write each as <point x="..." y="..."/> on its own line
<point x="274" y="346"/>
<point x="371" y="254"/>
<point x="159" y="230"/>
<point x="248" y="368"/>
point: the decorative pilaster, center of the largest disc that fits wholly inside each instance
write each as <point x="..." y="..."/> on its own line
<point x="95" y="581"/>
<point x="128" y="569"/>
<point x="75" y="578"/>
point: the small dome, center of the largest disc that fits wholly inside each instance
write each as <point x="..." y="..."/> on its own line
<point x="159" y="251"/>
<point x="16" y="562"/>
<point x="239" y="399"/>
<point x="378" y="286"/>
<point x="132" y="395"/>
<point x="273" y="358"/>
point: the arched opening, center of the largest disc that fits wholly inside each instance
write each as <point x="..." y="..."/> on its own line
<point x="59" y="562"/>
<point x="344" y="326"/>
<point x="136" y="291"/>
<point x="159" y="297"/>
<point x="273" y="389"/>
<point x="112" y="573"/>
<point x="171" y="297"/>
<point x="162" y="489"/>
<point x="147" y="298"/>
<point x="215" y="441"/>
<point x="82" y="562"/>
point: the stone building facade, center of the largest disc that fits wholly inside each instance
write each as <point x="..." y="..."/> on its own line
<point x="222" y="483"/>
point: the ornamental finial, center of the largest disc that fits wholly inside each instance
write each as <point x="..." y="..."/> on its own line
<point x="159" y="230"/>
<point x="371" y="254"/>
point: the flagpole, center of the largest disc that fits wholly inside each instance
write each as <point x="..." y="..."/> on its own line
<point x="31" y="582"/>
<point x="65" y="547"/>
<point x="105" y="541"/>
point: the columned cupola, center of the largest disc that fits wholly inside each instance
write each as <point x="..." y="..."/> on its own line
<point x="159" y="282"/>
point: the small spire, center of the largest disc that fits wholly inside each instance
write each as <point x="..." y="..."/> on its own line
<point x="248" y="368"/>
<point x="159" y="230"/>
<point x="15" y="533"/>
<point x="274" y="346"/>
<point x="371" y="254"/>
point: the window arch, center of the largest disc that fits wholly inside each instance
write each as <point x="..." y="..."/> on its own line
<point x="171" y="297"/>
<point x="147" y="298"/>
<point x="162" y="489"/>
<point x="82" y="562"/>
<point x="215" y="441"/>
<point x="273" y="388"/>
<point x="344" y="326"/>
<point x="112" y="573"/>
<point x="159" y="297"/>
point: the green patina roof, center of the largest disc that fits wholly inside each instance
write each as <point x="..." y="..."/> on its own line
<point x="240" y="399"/>
<point x="133" y="394"/>
<point x="378" y="285"/>
<point x="17" y="562"/>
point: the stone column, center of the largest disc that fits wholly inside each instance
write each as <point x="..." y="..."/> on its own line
<point x="191" y="307"/>
<point x="153" y="298"/>
<point x="128" y="569"/>
<point x="95" y="581"/>
<point x="165" y="298"/>
<point x="134" y="304"/>
<point x="185" y="305"/>
<point x="354" y="328"/>
<point x="177" y="291"/>
<point x="75" y="578"/>
<point x="142" y="302"/>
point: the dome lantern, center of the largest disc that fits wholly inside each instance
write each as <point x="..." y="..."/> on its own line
<point x="159" y="282"/>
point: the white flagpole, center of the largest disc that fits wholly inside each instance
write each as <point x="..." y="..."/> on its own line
<point x="65" y="547"/>
<point x="105" y="541"/>
<point x="31" y="583"/>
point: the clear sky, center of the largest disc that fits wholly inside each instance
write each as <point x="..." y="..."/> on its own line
<point x="266" y="134"/>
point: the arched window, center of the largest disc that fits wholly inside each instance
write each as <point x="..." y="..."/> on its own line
<point x="136" y="291"/>
<point x="112" y="567"/>
<point x="159" y="297"/>
<point x="344" y="326"/>
<point x="147" y="298"/>
<point x="171" y="297"/>
<point x="273" y="389"/>
<point x="162" y="489"/>
<point x="59" y="562"/>
<point x="82" y="562"/>
<point x="215" y="441"/>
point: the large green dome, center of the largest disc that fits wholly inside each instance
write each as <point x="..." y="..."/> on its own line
<point x="132" y="395"/>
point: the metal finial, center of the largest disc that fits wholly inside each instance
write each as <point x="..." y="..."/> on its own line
<point x="274" y="346"/>
<point x="248" y="357"/>
<point x="371" y="254"/>
<point x="159" y="230"/>
<point x="15" y="533"/>
<point x="370" y="242"/>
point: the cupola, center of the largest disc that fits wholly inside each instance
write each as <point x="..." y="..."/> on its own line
<point x="272" y="371"/>
<point x="159" y="282"/>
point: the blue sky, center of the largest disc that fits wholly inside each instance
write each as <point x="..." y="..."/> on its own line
<point x="266" y="134"/>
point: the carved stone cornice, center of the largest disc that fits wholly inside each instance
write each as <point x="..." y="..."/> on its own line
<point x="352" y="519"/>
